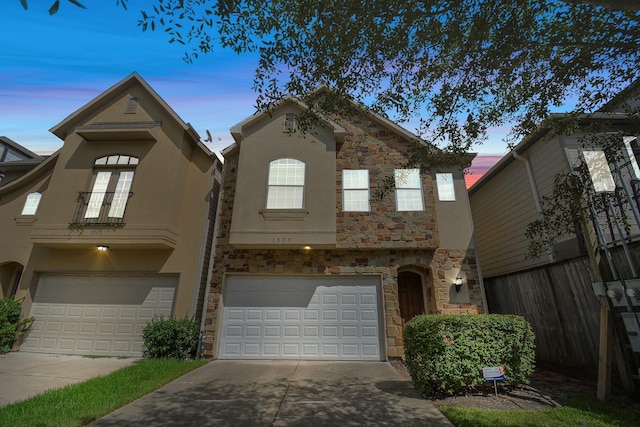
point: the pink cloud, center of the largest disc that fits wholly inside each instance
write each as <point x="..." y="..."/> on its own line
<point x="480" y="165"/>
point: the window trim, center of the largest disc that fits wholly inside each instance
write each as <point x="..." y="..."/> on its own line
<point x="287" y="162"/>
<point x="450" y="194"/>
<point x="399" y="189"/>
<point x="31" y="204"/>
<point x="114" y="175"/>
<point x="352" y="190"/>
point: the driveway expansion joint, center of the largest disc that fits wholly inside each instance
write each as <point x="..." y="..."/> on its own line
<point x="284" y="396"/>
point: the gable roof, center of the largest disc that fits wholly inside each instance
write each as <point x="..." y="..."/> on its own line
<point x="237" y="130"/>
<point x="32" y="171"/>
<point x="133" y="79"/>
<point x="384" y="121"/>
<point x="543" y="128"/>
<point x="17" y="147"/>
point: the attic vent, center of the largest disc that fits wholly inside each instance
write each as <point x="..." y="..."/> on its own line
<point x="132" y="106"/>
<point x="290" y="123"/>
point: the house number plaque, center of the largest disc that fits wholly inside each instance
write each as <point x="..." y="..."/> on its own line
<point x="282" y="240"/>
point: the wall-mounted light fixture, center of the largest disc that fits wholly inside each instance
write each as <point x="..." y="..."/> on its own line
<point x="307" y="248"/>
<point x="103" y="248"/>
<point x="458" y="283"/>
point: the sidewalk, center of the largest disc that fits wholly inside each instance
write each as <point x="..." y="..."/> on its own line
<point x="23" y="375"/>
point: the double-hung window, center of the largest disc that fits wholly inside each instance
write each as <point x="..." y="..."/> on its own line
<point x="408" y="190"/>
<point x="355" y="190"/>
<point x="111" y="187"/>
<point x="286" y="184"/>
<point x="446" y="190"/>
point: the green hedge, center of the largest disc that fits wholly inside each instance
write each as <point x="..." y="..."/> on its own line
<point x="11" y="327"/>
<point x="170" y="338"/>
<point x="445" y="354"/>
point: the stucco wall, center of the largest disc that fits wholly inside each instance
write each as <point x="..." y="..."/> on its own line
<point x="383" y="241"/>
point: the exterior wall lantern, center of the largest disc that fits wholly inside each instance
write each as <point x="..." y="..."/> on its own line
<point x="458" y="283"/>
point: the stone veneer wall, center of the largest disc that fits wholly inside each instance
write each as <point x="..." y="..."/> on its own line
<point x="382" y="241"/>
<point x="340" y="262"/>
<point x="369" y="146"/>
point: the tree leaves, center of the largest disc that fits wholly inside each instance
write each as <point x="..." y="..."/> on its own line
<point x="53" y="9"/>
<point x="461" y="66"/>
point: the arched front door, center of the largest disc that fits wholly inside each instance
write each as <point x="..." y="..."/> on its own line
<point x="410" y="295"/>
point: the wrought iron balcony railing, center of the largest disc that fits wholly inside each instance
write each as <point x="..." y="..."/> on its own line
<point x="100" y="209"/>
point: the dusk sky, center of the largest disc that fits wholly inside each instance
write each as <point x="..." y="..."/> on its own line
<point x="53" y="65"/>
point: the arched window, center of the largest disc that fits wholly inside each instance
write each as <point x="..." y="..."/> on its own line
<point x="31" y="204"/>
<point x="111" y="186"/>
<point x="286" y="184"/>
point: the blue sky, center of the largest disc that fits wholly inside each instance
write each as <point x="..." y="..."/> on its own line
<point x="52" y="65"/>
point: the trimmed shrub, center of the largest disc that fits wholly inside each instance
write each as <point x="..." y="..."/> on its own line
<point x="170" y="338"/>
<point x="445" y="354"/>
<point x="11" y="327"/>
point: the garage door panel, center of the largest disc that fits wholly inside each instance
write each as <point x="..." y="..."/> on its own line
<point x="96" y="329"/>
<point x="253" y="331"/>
<point x="71" y="327"/>
<point x="252" y="349"/>
<point x="253" y="314"/>
<point x="311" y="332"/>
<point x="53" y="326"/>
<point x="349" y="315"/>
<point x="331" y="326"/>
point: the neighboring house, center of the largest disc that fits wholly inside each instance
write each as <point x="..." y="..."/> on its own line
<point x="554" y="292"/>
<point x="15" y="160"/>
<point x="112" y="229"/>
<point x="309" y="265"/>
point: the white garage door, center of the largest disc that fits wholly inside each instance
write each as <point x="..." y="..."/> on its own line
<point x="301" y="318"/>
<point x="96" y="315"/>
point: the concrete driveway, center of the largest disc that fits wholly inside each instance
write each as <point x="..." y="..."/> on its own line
<point x="23" y="375"/>
<point x="283" y="393"/>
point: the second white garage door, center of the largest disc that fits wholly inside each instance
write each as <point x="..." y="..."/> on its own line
<point x="270" y="317"/>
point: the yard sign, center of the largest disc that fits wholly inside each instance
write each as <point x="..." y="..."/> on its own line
<point x="494" y="373"/>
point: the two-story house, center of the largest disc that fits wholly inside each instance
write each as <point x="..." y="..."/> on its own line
<point x="308" y="264"/>
<point x="112" y="229"/>
<point x="555" y="291"/>
<point x="15" y="160"/>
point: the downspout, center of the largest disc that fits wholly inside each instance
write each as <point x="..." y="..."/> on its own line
<point x="534" y="192"/>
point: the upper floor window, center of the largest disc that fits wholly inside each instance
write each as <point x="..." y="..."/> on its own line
<point x="355" y="190"/>
<point x="446" y="190"/>
<point x="408" y="190"/>
<point x="286" y="184"/>
<point x="31" y="204"/>
<point x="631" y="142"/>
<point x="599" y="170"/>
<point x="111" y="187"/>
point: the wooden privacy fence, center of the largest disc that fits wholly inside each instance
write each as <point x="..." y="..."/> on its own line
<point x="559" y="302"/>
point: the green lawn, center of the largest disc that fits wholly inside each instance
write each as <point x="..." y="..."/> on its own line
<point x="83" y="403"/>
<point x="579" y="411"/>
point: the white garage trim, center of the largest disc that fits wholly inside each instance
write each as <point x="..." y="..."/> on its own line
<point x="96" y="314"/>
<point x="301" y="317"/>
